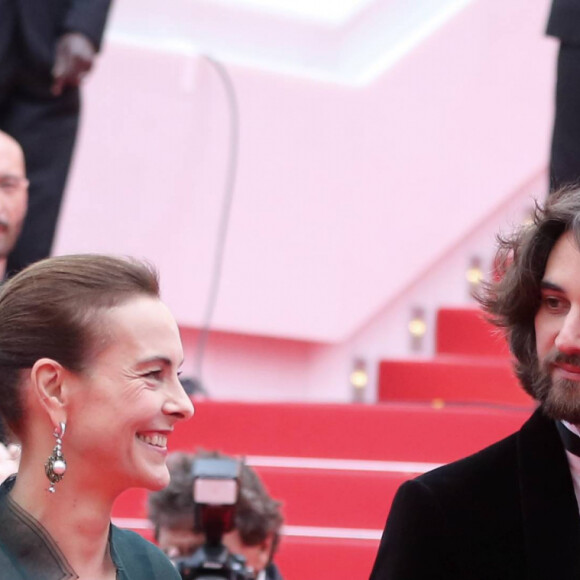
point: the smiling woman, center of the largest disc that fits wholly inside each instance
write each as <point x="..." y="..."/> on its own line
<point x="89" y="360"/>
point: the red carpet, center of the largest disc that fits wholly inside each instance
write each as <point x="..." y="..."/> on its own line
<point x="336" y="467"/>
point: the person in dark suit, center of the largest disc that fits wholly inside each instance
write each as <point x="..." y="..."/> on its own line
<point x="511" y="511"/>
<point x="564" y="24"/>
<point x="13" y="204"/>
<point x="13" y="195"/>
<point x="257" y="519"/>
<point x="46" y="49"/>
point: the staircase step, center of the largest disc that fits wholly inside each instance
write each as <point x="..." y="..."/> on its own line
<point x="333" y="498"/>
<point x="311" y="497"/>
<point x="323" y="558"/>
<point x="390" y="431"/>
<point x="335" y="467"/>
<point x="465" y="331"/>
<point x="458" y="379"/>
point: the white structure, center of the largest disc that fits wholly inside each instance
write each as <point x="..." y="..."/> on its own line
<point x="380" y="147"/>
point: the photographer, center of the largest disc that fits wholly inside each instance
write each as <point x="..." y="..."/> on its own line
<point x="257" y="518"/>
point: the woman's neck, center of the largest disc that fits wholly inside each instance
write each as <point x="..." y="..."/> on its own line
<point x="76" y="518"/>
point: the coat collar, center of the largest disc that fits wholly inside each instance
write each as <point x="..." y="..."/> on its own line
<point x="549" y="507"/>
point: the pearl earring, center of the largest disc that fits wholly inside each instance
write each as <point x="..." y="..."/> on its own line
<point x="55" y="465"/>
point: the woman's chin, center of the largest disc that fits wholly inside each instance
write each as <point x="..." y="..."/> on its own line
<point x="158" y="480"/>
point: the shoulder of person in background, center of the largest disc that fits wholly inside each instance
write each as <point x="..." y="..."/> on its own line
<point x="9" y="460"/>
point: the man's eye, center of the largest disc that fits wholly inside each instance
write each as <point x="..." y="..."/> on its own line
<point x="156" y="374"/>
<point x="553" y="302"/>
<point x="8" y="185"/>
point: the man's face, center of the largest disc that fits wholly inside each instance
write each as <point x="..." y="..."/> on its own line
<point x="557" y="325"/>
<point x="181" y="542"/>
<point x="13" y="193"/>
<point x="257" y="556"/>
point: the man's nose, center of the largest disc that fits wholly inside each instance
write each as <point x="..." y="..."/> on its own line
<point x="3" y="205"/>
<point x="568" y="338"/>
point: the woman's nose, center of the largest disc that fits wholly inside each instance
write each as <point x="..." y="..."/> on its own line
<point x="179" y="403"/>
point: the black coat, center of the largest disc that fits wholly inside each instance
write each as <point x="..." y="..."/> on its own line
<point x="564" y="21"/>
<point x="42" y="22"/>
<point x="272" y="572"/>
<point x="508" y="512"/>
<point x="44" y="124"/>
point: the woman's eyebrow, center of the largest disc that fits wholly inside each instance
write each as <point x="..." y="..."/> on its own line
<point x="158" y="359"/>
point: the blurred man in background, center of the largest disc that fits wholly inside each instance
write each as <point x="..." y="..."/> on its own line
<point x="257" y="519"/>
<point x="13" y="203"/>
<point x="46" y="49"/>
<point x="13" y="195"/>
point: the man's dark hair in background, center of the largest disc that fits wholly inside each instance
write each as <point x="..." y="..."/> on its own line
<point x="46" y="49"/>
<point x="258" y="519"/>
<point x="511" y="511"/>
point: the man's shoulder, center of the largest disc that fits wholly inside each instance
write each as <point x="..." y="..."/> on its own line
<point x="492" y="460"/>
<point x="493" y="471"/>
<point x="272" y="572"/>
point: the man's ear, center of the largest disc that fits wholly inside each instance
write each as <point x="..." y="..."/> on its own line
<point x="48" y="387"/>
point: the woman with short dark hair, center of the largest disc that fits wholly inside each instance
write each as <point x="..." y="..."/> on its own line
<point x="89" y="360"/>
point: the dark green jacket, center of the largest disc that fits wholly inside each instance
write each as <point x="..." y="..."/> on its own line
<point x="27" y="552"/>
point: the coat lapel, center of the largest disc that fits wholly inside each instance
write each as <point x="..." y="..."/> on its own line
<point x="549" y="508"/>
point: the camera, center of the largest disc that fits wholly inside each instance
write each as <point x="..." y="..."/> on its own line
<point x="215" y="494"/>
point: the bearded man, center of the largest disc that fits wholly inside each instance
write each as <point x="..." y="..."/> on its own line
<point x="511" y="511"/>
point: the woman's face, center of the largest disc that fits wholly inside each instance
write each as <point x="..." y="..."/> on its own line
<point x="125" y="405"/>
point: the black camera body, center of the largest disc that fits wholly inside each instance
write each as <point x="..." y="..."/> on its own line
<point x="215" y="494"/>
<point x="209" y="563"/>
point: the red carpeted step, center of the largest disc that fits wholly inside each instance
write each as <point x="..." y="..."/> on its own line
<point x="464" y="331"/>
<point x="332" y="498"/>
<point x="326" y="559"/>
<point x="394" y="431"/>
<point x="311" y="497"/>
<point x="451" y="379"/>
<point x="331" y="511"/>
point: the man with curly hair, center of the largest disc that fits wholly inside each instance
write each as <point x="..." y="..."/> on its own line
<point x="257" y="519"/>
<point x="511" y="511"/>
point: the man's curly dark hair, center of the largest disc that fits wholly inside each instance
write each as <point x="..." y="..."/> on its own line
<point x="513" y="300"/>
<point x="257" y="514"/>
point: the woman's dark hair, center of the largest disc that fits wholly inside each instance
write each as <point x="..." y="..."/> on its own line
<point x="513" y="300"/>
<point x="51" y="309"/>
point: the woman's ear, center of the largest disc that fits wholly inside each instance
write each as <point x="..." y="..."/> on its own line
<point x="48" y="387"/>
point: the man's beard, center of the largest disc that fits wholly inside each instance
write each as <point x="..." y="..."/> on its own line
<point x="559" y="398"/>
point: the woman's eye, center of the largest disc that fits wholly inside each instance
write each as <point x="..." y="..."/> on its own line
<point x="153" y="374"/>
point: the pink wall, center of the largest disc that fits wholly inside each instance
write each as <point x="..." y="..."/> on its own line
<point x="346" y="196"/>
